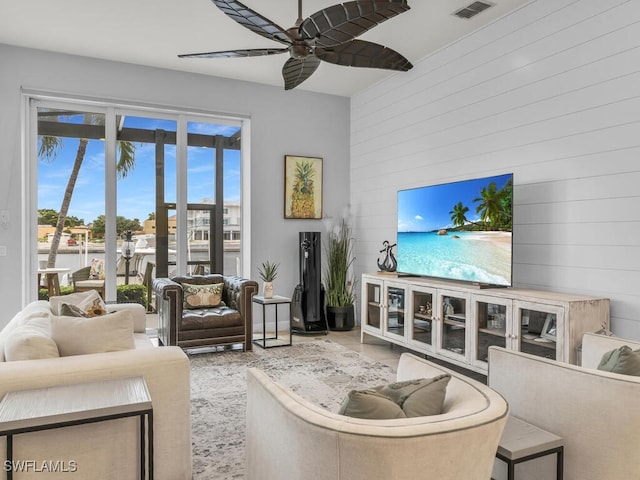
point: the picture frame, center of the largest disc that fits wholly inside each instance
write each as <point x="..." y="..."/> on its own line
<point x="302" y="187"/>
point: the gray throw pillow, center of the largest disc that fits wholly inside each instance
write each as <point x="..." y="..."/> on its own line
<point x="70" y="310"/>
<point x="621" y="360"/>
<point x="371" y="405"/>
<point x="411" y="398"/>
<point x="418" y="398"/>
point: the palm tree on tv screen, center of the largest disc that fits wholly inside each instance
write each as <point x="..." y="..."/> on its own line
<point x="458" y="214"/>
<point x="491" y="207"/>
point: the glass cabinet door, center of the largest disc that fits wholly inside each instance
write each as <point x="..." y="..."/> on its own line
<point x="372" y="311"/>
<point x="493" y="325"/>
<point x="453" y="311"/>
<point x="422" y="322"/>
<point x="539" y="334"/>
<point x="395" y="303"/>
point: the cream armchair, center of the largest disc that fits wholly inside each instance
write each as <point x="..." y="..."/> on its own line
<point x="289" y="438"/>
<point x="595" y="412"/>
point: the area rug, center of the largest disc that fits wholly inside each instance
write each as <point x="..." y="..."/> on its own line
<point x="319" y="370"/>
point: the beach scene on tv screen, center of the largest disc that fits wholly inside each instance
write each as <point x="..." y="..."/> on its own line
<point x="459" y="230"/>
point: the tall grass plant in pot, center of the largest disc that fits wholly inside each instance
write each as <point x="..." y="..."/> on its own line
<point x="338" y="277"/>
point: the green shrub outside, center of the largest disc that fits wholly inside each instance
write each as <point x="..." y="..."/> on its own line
<point x="124" y="294"/>
<point x="132" y="294"/>
<point x="43" y="293"/>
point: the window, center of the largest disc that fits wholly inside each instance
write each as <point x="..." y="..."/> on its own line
<point x="108" y="157"/>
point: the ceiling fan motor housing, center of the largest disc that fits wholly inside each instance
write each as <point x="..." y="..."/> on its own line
<point x="300" y="48"/>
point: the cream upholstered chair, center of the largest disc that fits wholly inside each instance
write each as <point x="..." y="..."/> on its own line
<point x="289" y="438"/>
<point x="595" y="412"/>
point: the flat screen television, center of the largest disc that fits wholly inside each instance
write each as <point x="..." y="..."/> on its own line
<point x="458" y="231"/>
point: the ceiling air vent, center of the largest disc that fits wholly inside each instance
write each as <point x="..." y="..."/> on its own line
<point x="473" y="9"/>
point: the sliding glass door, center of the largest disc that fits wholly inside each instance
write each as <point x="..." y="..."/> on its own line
<point x="133" y="194"/>
<point x="71" y="190"/>
<point x="213" y="197"/>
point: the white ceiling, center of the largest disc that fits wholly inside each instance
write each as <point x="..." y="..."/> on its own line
<point x="154" y="32"/>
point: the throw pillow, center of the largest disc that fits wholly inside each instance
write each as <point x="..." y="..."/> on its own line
<point x="30" y="341"/>
<point x="72" y="299"/>
<point x="107" y="333"/>
<point x="418" y="398"/>
<point x="371" y="405"/>
<point x="89" y="302"/>
<point x="70" y="310"/>
<point x="96" y="309"/>
<point x="621" y="360"/>
<point x="202" y="296"/>
<point x="96" y="272"/>
<point x="411" y="398"/>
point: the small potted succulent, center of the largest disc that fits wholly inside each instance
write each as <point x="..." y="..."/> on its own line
<point x="268" y="272"/>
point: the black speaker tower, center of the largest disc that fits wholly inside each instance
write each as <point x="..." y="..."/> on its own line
<point x="307" y="304"/>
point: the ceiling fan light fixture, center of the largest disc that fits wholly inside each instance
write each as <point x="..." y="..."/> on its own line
<point x="300" y="50"/>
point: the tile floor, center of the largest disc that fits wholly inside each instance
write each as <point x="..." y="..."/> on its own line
<point x="373" y="348"/>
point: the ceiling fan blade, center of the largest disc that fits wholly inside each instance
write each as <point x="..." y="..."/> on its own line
<point x="359" y="53"/>
<point x="297" y="70"/>
<point x="253" y="20"/>
<point x="252" y="52"/>
<point x="343" y="22"/>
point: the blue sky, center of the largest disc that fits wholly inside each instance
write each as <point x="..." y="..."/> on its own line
<point x="136" y="192"/>
<point x="427" y="208"/>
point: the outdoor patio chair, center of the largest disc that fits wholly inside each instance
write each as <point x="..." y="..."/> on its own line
<point x="82" y="281"/>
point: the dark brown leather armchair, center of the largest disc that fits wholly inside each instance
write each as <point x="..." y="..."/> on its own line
<point x="227" y="324"/>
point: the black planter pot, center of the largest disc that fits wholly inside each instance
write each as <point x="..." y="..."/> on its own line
<point x="341" y="318"/>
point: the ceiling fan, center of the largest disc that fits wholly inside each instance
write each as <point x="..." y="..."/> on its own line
<point x="327" y="35"/>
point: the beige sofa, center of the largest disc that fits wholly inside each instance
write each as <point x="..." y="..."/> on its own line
<point x="595" y="412"/>
<point x="288" y="438"/>
<point x="105" y="450"/>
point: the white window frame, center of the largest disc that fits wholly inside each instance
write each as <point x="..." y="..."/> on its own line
<point x="32" y="99"/>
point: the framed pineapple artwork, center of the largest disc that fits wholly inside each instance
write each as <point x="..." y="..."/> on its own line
<point x="302" y="187"/>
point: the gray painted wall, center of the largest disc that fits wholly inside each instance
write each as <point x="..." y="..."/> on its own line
<point x="294" y="122"/>
<point x="551" y="93"/>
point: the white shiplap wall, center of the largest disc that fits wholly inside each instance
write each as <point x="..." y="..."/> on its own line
<point x="551" y="93"/>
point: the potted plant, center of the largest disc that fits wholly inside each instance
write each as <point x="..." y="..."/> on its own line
<point x="339" y="281"/>
<point x="268" y="272"/>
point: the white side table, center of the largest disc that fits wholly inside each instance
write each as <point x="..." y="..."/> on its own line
<point x="66" y="405"/>
<point x="275" y="300"/>
<point x="522" y="441"/>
